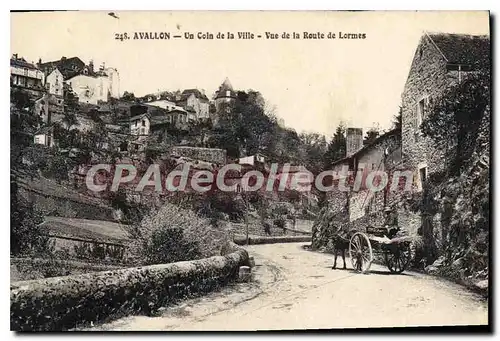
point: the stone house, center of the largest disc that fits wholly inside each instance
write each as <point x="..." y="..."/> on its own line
<point x="195" y="100"/>
<point x="383" y="155"/>
<point x="440" y="61"/>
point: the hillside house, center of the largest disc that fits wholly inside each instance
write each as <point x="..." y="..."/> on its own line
<point x="26" y="76"/>
<point x="54" y="83"/>
<point x="140" y="125"/>
<point x="194" y="100"/>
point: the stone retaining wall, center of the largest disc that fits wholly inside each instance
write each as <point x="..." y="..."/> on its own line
<point x="62" y="303"/>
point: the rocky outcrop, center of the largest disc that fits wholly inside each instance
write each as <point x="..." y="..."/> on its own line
<point x="61" y="303"/>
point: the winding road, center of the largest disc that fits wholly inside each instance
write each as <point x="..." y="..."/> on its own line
<point x="296" y="289"/>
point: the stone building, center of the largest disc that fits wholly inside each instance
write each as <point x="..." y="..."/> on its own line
<point x="195" y="100"/>
<point x="225" y="95"/>
<point x="440" y="61"/>
<point x="383" y="155"/>
<point x="354" y="140"/>
<point x="91" y="86"/>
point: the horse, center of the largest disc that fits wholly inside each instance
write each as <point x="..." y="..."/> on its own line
<point x="340" y="241"/>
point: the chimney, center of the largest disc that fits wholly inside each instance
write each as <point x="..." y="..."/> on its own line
<point x="14" y="56"/>
<point x="91" y="66"/>
<point x="354" y="140"/>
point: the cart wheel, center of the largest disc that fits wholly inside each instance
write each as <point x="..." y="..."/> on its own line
<point x="360" y="252"/>
<point x="398" y="258"/>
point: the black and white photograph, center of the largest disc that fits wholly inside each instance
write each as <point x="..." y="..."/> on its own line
<point x="250" y="170"/>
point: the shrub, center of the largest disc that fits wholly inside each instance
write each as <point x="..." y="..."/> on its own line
<point x="172" y="234"/>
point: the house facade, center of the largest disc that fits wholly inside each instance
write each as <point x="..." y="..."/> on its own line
<point x="196" y="101"/>
<point x="49" y="107"/>
<point x="54" y="83"/>
<point x="140" y="125"/>
<point x="440" y="61"/>
<point x="90" y="89"/>
<point x="26" y="76"/>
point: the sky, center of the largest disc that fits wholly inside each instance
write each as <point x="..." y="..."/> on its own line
<point x="312" y="84"/>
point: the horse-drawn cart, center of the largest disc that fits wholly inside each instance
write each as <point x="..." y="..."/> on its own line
<point x="363" y="246"/>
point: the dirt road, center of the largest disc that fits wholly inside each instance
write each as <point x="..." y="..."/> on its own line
<point x="297" y="289"/>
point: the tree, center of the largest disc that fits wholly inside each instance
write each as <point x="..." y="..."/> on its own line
<point x="371" y="136"/>
<point x="25" y="233"/>
<point x="337" y="147"/>
<point x="313" y="149"/>
<point x="455" y="117"/>
<point x="128" y="96"/>
<point x="397" y="122"/>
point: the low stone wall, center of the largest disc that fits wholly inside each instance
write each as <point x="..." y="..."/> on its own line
<point x="23" y="269"/>
<point x="62" y="303"/>
<point x="271" y="240"/>
<point x="66" y="206"/>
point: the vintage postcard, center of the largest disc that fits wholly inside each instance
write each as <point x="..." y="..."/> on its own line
<point x="244" y="171"/>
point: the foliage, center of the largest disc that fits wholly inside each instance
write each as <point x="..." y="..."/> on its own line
<point x="173" y="234"/>
<point x="133" y="212"/>
<point x="397" y="121"/>
<point x="128" y="96"/>
<point x="26" y="235"/>
<point x="455" y="204"/>
<point x="455" y="119"/>
<point x="337" y="147"/>
<point x="371" y="136"/>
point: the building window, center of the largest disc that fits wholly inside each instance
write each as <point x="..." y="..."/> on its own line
<point x="143" y="123"/>
<point x="423" y="175"/>
<point x="420" y="114"/>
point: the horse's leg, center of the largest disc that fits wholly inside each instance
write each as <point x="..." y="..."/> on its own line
<point x="334" y="257"/>
<point x="343" y="257"/>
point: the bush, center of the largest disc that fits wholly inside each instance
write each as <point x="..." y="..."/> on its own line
<point x="132" y="212"/>
<point x="173" y="234"/>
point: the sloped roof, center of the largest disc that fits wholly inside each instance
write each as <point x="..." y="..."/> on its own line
<point x="44" y="130"/>
<point x="21" y="62"/>
<point x="462" y="48"/>
<point x="138" y="117"/>
<point x="393" y="132"/>
<point x="64" y="66"/>
<point x="198" y="94"/>
<point x="225" y="86"/>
